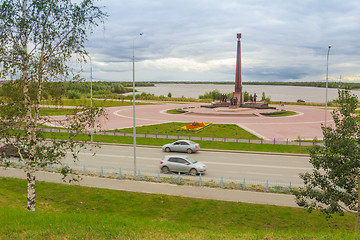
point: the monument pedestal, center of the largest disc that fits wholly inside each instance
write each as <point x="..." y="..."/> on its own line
<point x="240" y="97"/>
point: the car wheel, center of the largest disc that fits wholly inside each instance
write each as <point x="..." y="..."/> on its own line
<point x="193" y="172"/>
<point x="165" y="169"/>
<point x="189" y="151"/>
<point x="167" y="149"/>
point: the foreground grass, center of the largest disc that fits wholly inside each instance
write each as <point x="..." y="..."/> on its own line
<point x="214" y="130"/>
<point x="74" y="212"/>
<point x="278" y="148"/>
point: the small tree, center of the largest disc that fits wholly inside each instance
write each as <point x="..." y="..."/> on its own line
<point x="214" y="95"/>
<point x="37" y="39"/>
<point x="333" y="185"/>
<point x="264" y="98"/>
<point x="246" y="96"/>
<point x="169" y="95"/>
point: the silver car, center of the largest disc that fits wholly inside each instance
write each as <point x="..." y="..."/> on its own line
<point x="181" y="146"/>
<point x="181" y="163"/>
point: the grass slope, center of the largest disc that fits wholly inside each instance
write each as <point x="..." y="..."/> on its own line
<point x="74" y="212"/>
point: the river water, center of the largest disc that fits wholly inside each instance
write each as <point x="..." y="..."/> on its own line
<point x="276" y="93"/>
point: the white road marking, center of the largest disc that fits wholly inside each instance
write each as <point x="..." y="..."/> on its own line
<point x="115" y="156"/>
<point x="265" y="174"/>
<point x="254" y="165"/>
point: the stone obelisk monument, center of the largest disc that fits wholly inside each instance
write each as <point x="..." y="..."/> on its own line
<point x="238" y="81"/>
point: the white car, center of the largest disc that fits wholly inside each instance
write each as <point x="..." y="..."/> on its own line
<point x="181" y="146"/>
<point x="180" y="163"/>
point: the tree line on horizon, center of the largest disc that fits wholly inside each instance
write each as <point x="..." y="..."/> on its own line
<point x="77" y="90"/>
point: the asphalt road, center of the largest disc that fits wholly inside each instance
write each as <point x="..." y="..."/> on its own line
<point x="230" y="165"/>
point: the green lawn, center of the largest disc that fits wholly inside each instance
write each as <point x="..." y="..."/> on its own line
<point x="96" y="102"/>
<point x="175" y="111"/>
<point x="74" y="212"/>
<point x="281" y="114"/>
<point x="57" y="111"/>
<point x="216" y="130"/>
<point x="203" y="144"/>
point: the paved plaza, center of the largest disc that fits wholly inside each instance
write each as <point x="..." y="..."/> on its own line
<point x="305" y="124"/>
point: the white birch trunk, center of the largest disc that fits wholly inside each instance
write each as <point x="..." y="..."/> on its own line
<point x="30" y="175"/>
<point x="358" y="207"/>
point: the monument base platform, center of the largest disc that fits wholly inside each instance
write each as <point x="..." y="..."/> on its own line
<point x="230" y="111"/>
<point x="260" y="104"/>
<point x="220" y="104"/>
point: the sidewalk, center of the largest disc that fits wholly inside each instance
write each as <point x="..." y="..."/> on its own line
<point x="164" y="188"/>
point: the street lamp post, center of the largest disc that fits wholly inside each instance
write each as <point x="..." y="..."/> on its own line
<point x="327" y="80"/>
<point x="91" y="101"/>
<point x="134" y="126"/>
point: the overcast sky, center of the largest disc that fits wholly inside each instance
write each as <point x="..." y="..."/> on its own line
<point x="195" y="40"/>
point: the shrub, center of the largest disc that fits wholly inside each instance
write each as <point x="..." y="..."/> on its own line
<point x="246" y="96"/>
<point x="214" y="95"/>
<point x="145" y="96"/>
<point x="264" y="98"/>
<point x="73" y="94"/>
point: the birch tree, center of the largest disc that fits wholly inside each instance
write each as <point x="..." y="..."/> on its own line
<point x="333" y="185"/>
<point x="37" y="40"/>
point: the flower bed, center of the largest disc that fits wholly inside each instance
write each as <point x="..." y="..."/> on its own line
<point x="77" y="111"/>
<point x="194" y="127"/>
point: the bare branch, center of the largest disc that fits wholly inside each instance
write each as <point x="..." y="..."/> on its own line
<point x="49" y="54"/>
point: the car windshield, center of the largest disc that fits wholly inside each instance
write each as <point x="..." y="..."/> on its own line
<point x="191" y="160"/>
<point x="192" y="142"/>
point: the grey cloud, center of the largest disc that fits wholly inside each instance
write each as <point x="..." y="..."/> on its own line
<point x="277" y="35"/>
<point x="272" y="74"/>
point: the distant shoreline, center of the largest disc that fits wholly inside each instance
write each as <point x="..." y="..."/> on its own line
<point x="352" y="86"/>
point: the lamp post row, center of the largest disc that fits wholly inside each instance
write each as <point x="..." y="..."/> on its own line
<point x="91" y="101"/>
